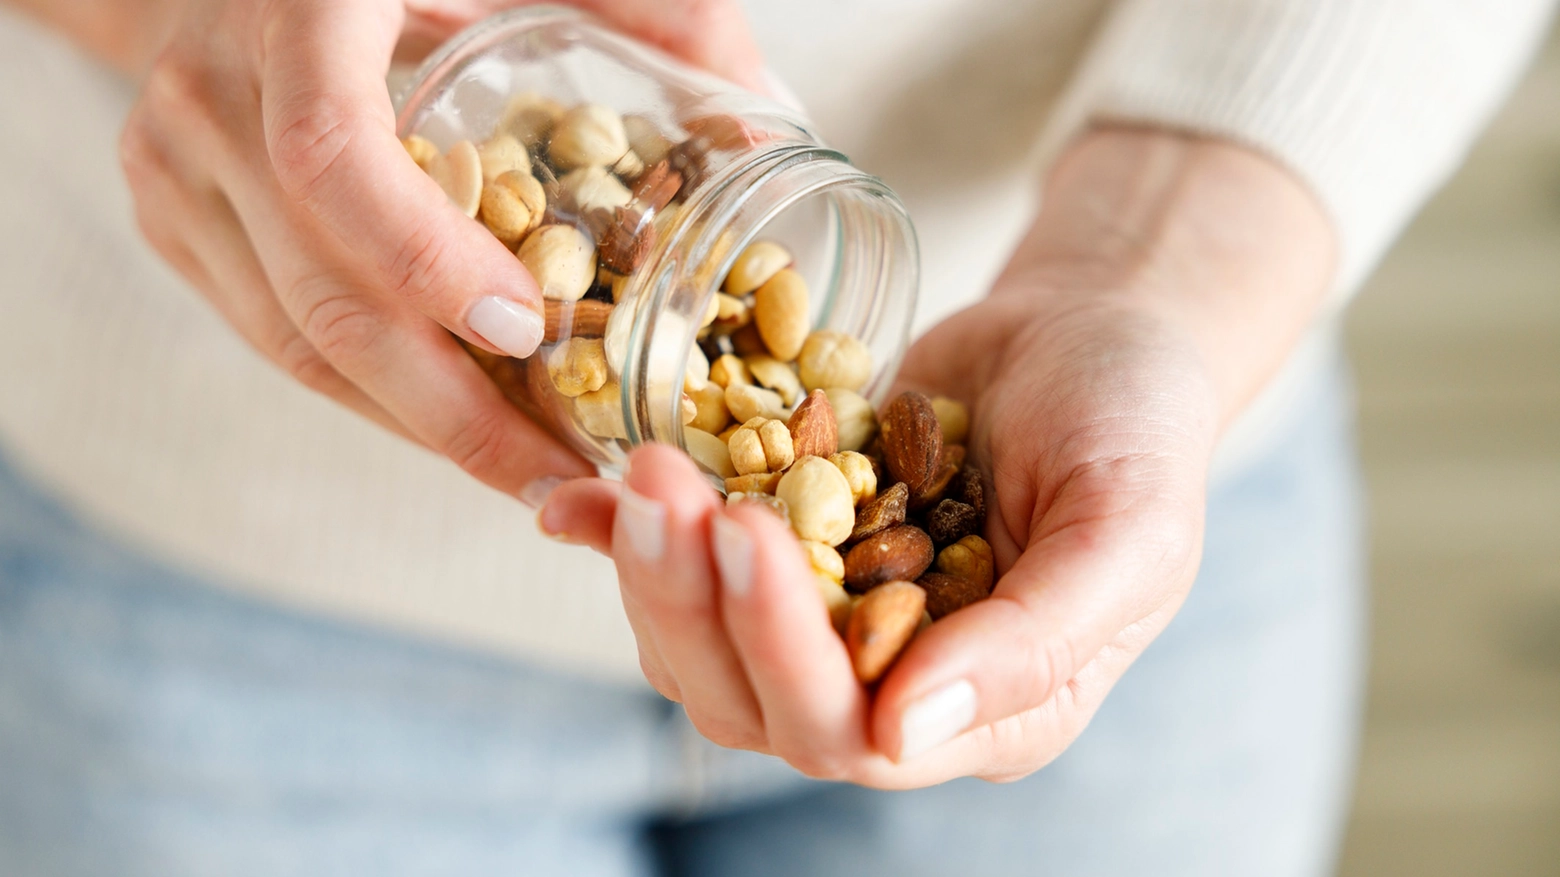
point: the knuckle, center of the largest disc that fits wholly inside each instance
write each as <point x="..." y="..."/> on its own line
<point x="819" y="765"/>
<point x="479" y="444"/>
<point x="422" y="266"/>
<point x="337" y="319"/>
<point x="659" y="679"/>
<point x="309" y="139"/>
<point x="298" y="358"/>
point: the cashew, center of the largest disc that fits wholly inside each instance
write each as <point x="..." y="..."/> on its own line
<point x="600" y="412"/>
<point x="459" y="174"/>
<point x="745" y="402"/>
<point x="775" y="375"/>
<point x="727" y="370"/>
<point x="578" y="366"/>
<point x="711" y="453"/>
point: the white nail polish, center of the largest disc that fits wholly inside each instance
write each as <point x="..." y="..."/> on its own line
<point x="507" y="325"/>
<point x="734" y="555"/>
<point x="644" y="520"/>
<point x="535" y="494"/>
<point x="936" y="718"/>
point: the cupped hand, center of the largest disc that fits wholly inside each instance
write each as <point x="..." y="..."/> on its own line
<point x="265" y="167"/>
<point x="1094" y="423"/>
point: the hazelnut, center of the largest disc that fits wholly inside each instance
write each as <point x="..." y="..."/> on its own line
<point x="530" y="117"/>
<point x="421" y="149"/>
<point x="710" y="400"/>
<point x="593" y="188"/>
<point x="954" y="418"/>
<point x="512" y="205"/>
<point x="820" y="501"/>
<point x="589" y="134"/>
<point x="825" y="560"/>
<point x="834" y="359"/>
<point x="562" y="260"/>
<point x="854" y="417"/>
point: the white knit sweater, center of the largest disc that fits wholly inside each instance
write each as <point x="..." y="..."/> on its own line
<point x="122" y="392"/>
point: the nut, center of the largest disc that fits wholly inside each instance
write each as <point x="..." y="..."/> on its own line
<point x="421" y="149"/>
<point x="712" y="416"/>
<point x="696" y="375"/>
<point x="758" y="482"/>
<point x="901" y="552"/>
<point x="589" y="134"/>
<point x="950" y="521"/>
<point x="880" y="626"/>
<point x="688" y="409"/>
<point x="946" y="593"/>
<point x="626" y="241"/>
<point x="502" y="154"/>
<point x="747" y="452"/>
<point x="776" y="375"/>
<point x="755" y="266"/>
<point x="746" y="341"/>
<point x="819" y="497"/>
<point x="731" y="314"/>
<point x="530" y="117"/>
<point x="584" y="318"/>
<point x="747" y="402"/>
<point x="887" y="510"/>
<point x="646" y="139"/>
<point x="825" y="560"/>
<point x="954" y="417"/>
<point x="778" y="449"/>
<point x="970" y="558"/>
<point x="561" y="259"/>
<point x="912" y="441"/>
<point x="630" y="166"/>
<point x="761" y="447"/>
<point x="833" y="359"/>
<point x="968" y="487"/>
<point x="836" y="601"/>
<point x="858" y="471"/>
<point x="512" y="205"/>
<point x="933" y="491"/>
<point x="768" y="501"/>
<point x="600" y="412"/>
<point x="656" y="187"/>
<point x="812" y="427"/>
<point x="459" y="174"/>
<point x="727" y="370"/>
<point x="708" y="451"/>
<point x="780" y="311"/>
<point x="853" y="417"/>
<point x="593" y="188"/>
<point x="578" y="366"/>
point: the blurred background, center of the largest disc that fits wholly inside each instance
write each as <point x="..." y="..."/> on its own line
<point x="1456" y="345"/>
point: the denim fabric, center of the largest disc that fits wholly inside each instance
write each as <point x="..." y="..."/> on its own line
<point x="152" y="725"/>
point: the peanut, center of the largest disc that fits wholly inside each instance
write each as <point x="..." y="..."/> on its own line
<point x="780" y="311"/>
<point x="727" y="370"/>
<point x="755" y="266"/>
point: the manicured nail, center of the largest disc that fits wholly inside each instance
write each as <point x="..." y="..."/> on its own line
<point x="507" y="325"/>
<point x="734" y="555"/>
<point x="780" y="91"/>
<point x="535" y="494"/>
<point x="936" y="718"/>
<point x="644" y="520"/>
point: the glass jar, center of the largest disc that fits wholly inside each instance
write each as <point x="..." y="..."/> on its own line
<point x="709" y="169"/>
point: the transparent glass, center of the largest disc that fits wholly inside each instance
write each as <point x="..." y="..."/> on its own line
<point x="749" y="169"/>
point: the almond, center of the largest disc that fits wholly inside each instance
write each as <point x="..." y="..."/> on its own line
<point x="880" y="626"/>
<point x="586" y="318"/>
<point x="934" y="490"/>
<point x="948" y="593"/>
<point x="901" y="552"/>
<point x="912" y="441"/>
<point x="887" y="510"/>
<point x="657" y="186"/>
<point x="813" y="431"/>
<point x="626" y="241"/>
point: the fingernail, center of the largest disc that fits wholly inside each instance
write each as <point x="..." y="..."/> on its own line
<point x="734" y="555"/>
<point x="507" y="325"/>
<point x="644" y="520"/>
<point x="780" y="91"/>
<point x="936" y="718"/>
<point x="535" y="494"/>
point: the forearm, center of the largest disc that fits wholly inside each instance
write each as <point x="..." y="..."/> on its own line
<point x="1211" y="237"/>
<point x="125" y="33"/>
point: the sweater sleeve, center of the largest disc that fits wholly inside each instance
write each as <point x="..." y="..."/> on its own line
<point x="1371" y="102"/>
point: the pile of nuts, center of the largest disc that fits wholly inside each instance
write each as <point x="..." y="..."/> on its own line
<point x="769" y="404"/>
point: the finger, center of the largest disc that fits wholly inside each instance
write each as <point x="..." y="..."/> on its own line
<point x="1077" y="588"/>
<point x="664" y="567"/>
<point x="330" y="134"/>
<point x="402" y="360"/>
<point x="712" y="34"/>
<point x="581" y="512"/>
<point x="194" y="227"/>
<point x="814" y="709"/>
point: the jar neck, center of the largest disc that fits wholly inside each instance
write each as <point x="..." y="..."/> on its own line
<point x="848" y="228"/>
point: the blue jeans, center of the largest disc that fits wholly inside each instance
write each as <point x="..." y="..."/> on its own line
<point x="153" y="725"/>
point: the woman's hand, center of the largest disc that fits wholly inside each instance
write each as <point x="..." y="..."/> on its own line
<point x="265" y="166"/>
<point x="1100" y="373"/>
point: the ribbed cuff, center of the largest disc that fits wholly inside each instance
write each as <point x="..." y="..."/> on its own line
<point x="1372" y="103"/>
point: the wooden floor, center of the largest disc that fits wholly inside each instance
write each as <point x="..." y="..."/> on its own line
<point x="1456" y="343"/>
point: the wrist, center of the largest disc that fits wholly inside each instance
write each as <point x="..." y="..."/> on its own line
<point x="1207" y="238"/>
